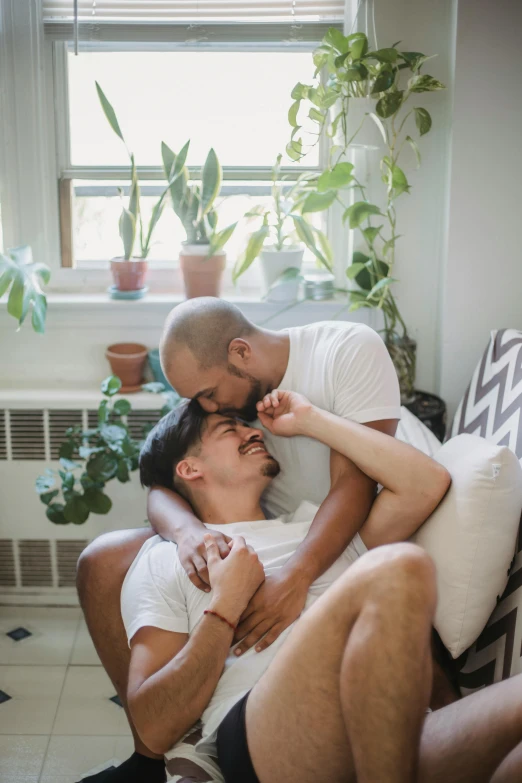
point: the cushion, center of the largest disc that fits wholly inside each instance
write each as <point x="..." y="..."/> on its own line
<point x="471" y="536"/>
<point x="492" y="408"/>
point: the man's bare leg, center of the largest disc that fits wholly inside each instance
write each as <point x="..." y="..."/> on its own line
<point x="346" y="695"/>
<point x="101" y="570"/>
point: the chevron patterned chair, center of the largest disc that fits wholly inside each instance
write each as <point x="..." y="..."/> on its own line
<point x="492" y="408"/>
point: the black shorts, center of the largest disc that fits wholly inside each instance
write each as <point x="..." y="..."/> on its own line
<point x="233" y="755"/>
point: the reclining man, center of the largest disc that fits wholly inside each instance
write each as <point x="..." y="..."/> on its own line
<point x="341" y="695"/>
<point x="212" y="353"/>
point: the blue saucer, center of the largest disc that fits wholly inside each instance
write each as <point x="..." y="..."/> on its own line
<point x="115" y="293"/>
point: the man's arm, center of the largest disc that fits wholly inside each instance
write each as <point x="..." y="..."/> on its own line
<point x="173" y="519"/>
<point x="172" y="678"/>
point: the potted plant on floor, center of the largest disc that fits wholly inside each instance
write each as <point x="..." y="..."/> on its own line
<point x="130" y="271"/>
<point x="387" y="79"/>
<point x="90" y="459"/>
<point x="202" y="256"/>
<point x="23" y="278"/>
<point x="284" y="232"/>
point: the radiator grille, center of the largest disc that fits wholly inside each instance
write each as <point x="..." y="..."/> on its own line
<point x="3" y="443"/>
<point x="139" y="422"/>
<point x="59" y="421"/>
<point x="35" y="563"/>
<point x="67" y="554"/>
<point x="7" y="564"/>
<point x="27" y="434"/>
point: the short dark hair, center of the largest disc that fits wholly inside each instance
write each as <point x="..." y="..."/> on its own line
<point x="168" y="443"/>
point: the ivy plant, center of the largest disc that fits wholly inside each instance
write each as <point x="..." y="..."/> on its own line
<point x="90" y="459"/>
<point x="392" y="80"/>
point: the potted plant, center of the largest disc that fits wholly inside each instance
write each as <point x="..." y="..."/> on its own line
<point x="130" y="271"/>
<point x="388" y="78"/>
<point x="202" y="256"/>
<point x="90" y="459"/>
<point x="23" y="278"/>
<point x="284" y="233"/>
<point x="127" y="361"/>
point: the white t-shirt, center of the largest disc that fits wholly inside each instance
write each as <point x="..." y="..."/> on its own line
<point x="341" y="367"/>
<point x="157" y="592"/>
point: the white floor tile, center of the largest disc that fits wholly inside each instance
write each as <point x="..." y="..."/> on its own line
<point x="53" y="632"/>
<point x="21" y="756"/>
<point x="81" y="755"/>
<point x="9" y="779"/>
<point x="85" y="707"/>
<point x="83" y="653"/>
<point x="34" y="692"/>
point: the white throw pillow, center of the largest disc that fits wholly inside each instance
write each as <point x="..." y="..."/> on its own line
<point x="471" y="536"/>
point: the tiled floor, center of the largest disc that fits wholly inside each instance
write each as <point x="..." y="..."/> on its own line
<point x="57" y="720"/>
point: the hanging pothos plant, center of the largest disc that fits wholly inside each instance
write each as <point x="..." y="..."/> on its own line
<point x="392" y="80"/>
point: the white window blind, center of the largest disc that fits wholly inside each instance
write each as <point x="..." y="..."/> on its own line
<point x="214" y="21"/>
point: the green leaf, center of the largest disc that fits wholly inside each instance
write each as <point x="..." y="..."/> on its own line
<point x="358" y="45"/>
<point x="45" y="483"/>
<point x="122" y="407"/>
<point x="294" y="149"/>
<point x="380" y="285"/>
<point x="416" y="151"/>
<point x="127" y="232"/>
<point x="292" y="113"/>
<point x="219" y="240"/>
<point x="39" y="313"/>
<point x="46" y="497"/>
<point x="340" y="59"/>
<point x="354" y="269"/>
<point x="317" y="202"/>
<point x="300" y="91"/>
<point x="355" y="73"/>
<point x="389" y="104"/>
<point x="154" y="387"/>
<point x="68" y="464"/>
<point x="113" y="433"/>
<point x="316" y="115"/>
<point x="389" y="244"/>
<point x="383" y="82"/>
<point x="97" y="501"/>
<point x="335" y="38"/>
<point x="425" y="83"/>
<point x="359" y="212"/>
<point x="109" y="112"/>
<point x="253" y="249"/>
<point x="102" y="467"/>
<point x="306" y="234"/>
<point x="76" y="510"/>
<point x="110" y="386"/>
<point x="380" y="126"/>
<point x="384" y="55"/>
<point x="289" y="275"/>
<point x="371" y="233"/>
<point x="122" y="473"/>
<point x="399" y="182"/>
<point x="338" y="177"/>
<point x="18" y="271"/>
<point x="211" y="182"/>
<point x="55" y="513"/>
<point x="88" y="483"/>
<point x="422" y="120"/>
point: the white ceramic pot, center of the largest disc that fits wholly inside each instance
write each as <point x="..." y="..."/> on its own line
<point x="273" y="264"/>
<point x="369" y="136"/>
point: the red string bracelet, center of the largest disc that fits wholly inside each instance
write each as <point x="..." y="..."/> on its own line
<point x="211" y="611"/>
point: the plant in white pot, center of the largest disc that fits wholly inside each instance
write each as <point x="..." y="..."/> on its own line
<point x="284" y="233"/>
<point x="202" y="256"/>
<point x="130" y="271"/>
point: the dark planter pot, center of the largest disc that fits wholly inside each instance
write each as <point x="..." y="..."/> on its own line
<point x="431" y="410"/>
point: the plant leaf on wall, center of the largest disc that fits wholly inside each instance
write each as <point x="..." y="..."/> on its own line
<point x="422" y="120"/>
<point x="24" y="278"/>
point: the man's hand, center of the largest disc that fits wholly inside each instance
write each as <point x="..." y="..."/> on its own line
<point x="284" y="412"/>
<point x="192" y="553"/>
<point x="273" y="607"/>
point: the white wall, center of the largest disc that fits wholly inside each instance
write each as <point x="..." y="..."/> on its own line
<point x="482" y="272"/>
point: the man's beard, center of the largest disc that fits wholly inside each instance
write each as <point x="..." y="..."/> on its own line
<point x="249" y="411"/>
<point x="271" y="468"/>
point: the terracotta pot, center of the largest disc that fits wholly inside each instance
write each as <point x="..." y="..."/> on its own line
<point x="127" y="361"/>
<point x="129" y="275"/>
<point x="201" y="275"/>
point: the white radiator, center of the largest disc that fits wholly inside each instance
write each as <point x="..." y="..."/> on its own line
<point x="37" y="557"/>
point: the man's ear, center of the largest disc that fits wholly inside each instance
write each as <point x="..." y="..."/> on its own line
<point x="239" y="352"/>
<point x="189" y="469"/>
